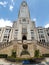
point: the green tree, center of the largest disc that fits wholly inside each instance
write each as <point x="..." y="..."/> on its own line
<point x="36" y="54"/>
<point x="13" y="54"/>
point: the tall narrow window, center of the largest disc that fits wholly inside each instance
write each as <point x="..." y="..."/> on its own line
<point x="15" y="34"/>
<point x="32" y="34"/>
<point x="24" y="30"/>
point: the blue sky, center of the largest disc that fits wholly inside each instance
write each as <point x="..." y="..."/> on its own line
<point x="39" y="11"/>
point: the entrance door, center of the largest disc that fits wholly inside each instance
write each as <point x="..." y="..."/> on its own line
<point x="24" y="37"/>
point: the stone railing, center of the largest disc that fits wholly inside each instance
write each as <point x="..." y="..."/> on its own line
<point x="43" y="44"/>
<point x="4" y="45"/>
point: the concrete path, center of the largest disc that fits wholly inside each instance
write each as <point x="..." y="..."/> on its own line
<point x="3" y="62"/>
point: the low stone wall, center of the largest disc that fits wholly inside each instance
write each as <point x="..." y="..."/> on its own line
<point x="43" y="50"/>
<point x="7" y="50"/>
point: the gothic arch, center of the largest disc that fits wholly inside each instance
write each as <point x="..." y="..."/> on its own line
<point x="24" y="37"/>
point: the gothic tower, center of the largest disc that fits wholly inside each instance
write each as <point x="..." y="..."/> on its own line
<point x="24" y="24"/>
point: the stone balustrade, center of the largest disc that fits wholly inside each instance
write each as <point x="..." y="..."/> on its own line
<point x="5" y="45"/>
<point x="46" y="44"/>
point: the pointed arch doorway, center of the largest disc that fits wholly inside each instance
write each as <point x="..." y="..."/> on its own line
<point x="24" y="37"/>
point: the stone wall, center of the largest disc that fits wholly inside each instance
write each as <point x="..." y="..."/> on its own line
<point x="7" y="50"/>
<point x="18" y="48"/>
<point x="43" y="50"/>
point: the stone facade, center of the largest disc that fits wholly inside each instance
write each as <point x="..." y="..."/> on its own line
<point x="24" y="27"/>
<point x="24" y="37"/>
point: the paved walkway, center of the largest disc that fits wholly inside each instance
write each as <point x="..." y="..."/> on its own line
<point x="3" y="62"/>
<point x="46" y="62"/>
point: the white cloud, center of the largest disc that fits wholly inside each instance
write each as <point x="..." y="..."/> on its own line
<point x="34" y="19"/>
<point x="4" y="23"/>
<point x="11" y="7"/>
<point x="12" y="2"/>
<point x="47" y="25"/>
<point x="3" y="3"/>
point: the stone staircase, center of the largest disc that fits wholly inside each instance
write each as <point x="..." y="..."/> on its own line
<point x="4" y="45"/>
<point x="45" y="45"/>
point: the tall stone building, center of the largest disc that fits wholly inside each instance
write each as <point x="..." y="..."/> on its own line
<point x="24" y="35"/>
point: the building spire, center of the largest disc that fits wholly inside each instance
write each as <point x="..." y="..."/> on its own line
<point x="24" y="11"/>
<point x="24" y="0"/>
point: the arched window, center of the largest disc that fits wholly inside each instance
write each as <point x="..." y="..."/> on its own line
<point x="24" y="30"/>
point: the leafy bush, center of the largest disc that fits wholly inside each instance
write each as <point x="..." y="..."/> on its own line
<point x="13" y="54"/>
<point x="45" y="55"/>
<point x="3" y="55"/>
<point x="11" y="59"/>
<point x="36" y="54"/>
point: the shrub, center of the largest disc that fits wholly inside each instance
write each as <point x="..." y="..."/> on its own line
<point x="45" y="55"/>
<point x="11" y="59"/>
<point x="36" y="54"/>
<point x="3" y="55"/>
<point x="13" y="54"/>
